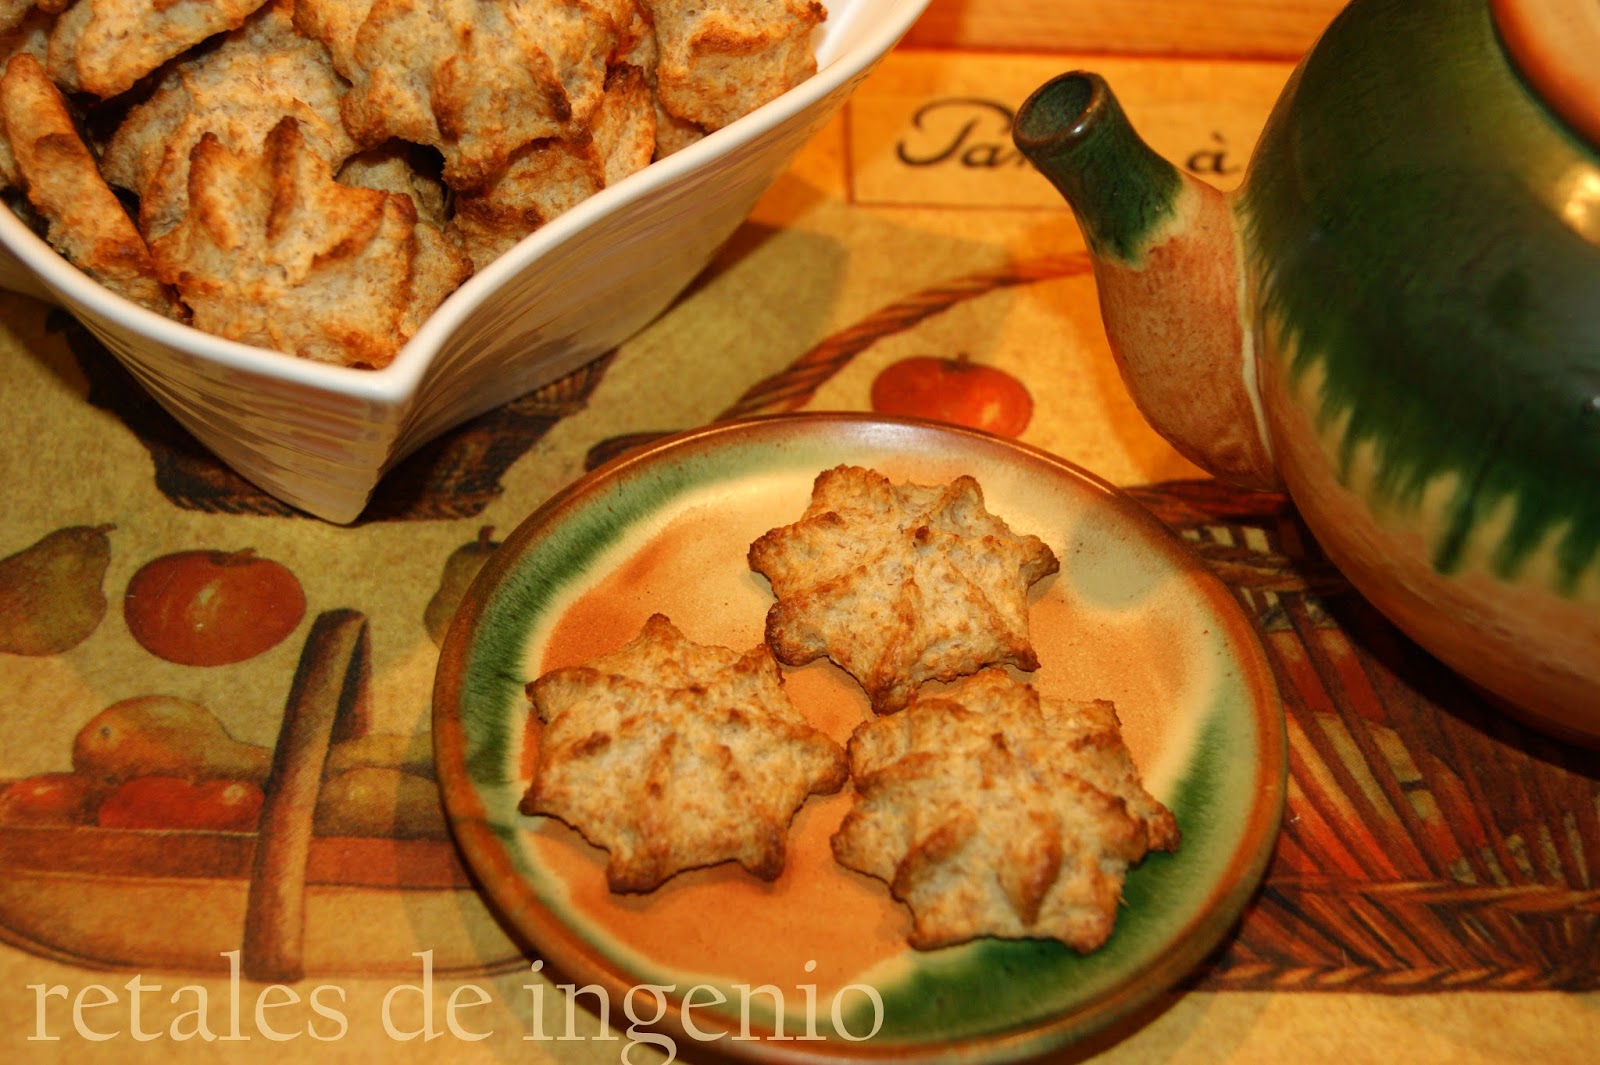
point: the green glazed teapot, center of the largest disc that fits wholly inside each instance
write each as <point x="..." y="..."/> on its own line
<point x="1396" y="317"/>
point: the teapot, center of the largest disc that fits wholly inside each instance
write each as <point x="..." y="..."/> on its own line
<point x="1395" y="318"/>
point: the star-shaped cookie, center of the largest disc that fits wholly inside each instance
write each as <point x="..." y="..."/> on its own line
<point x="900" y="584"/>
<point x="991" y="811"/>
<point x="673" y="755"/>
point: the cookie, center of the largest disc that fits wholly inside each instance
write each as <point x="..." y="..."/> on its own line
<point x="718" y="62"/>
<point x="105" y="46"/>
<point x="548" y="177"/>
<point x="900" y="584"/>
<point x="85" y="221"/>
<point x="239" y="89"/>
<point x="475" y="79"/>
<point x="990" y="811"/>
<point x="673" y="755"/>
<point x="273" y="251"/>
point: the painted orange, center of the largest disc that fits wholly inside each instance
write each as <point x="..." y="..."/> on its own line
<point x="957" y="391"/>
<point x="173" y="802"/>
<point x="212" y="608"/>
<point x="50" y="799"/>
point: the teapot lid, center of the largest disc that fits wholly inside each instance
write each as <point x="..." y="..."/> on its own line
<point x="1555" y="46"/>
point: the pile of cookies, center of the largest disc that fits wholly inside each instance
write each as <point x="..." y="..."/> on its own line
<point x="988" y="809"/>
<point x="316" y="176"/>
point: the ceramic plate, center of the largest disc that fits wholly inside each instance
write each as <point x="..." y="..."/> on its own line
<point x="1132" y="616"/>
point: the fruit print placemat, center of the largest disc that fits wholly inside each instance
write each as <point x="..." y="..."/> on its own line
<point x="1432" y="895"/>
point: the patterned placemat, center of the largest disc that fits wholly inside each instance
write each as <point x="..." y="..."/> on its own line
<point x="1430" y="842"/>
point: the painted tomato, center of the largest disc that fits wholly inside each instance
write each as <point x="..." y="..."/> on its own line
<point x="958" y="391"/>
<point x="212" y="608"/>
<point x="174" y="802"/>
<point x="49" y="799"/>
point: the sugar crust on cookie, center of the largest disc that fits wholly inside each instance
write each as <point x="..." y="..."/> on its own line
<point x="900" y="584"/>
<point x="673" y="755"/>
<point x="991" y="811"/>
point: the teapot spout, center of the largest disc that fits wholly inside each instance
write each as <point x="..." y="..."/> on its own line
<point x="1169" y="274"/>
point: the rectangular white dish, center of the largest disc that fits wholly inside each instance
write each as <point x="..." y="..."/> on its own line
<point x="320" y="437"/>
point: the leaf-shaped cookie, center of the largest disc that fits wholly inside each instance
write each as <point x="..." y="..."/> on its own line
<point x="673" y="755"/>
<point x="476" y="79"/>
<point x="990" y="811"/>
<point x="548" y="177"/>
<point x="238" y="89"/>
<point x="900" y="584"/>
<point x="274" y="252"/>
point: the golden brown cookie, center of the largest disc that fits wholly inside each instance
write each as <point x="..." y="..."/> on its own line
<point x="441" y="264"/>
<point x="238" y="90"/>
<point x="30" y="34"/>
<point x="673" y="755"/>
<point x="402" y="168"/>
<point x="992" y="812"/>
<point x="719" y="62"/>
<point x="13" y="12"/>
<point x="86" y="222"/>
<point x="549" y="177"/>
<point x="476" y="79"/>
<point x="900" y="584"/>
<point x="540" y="181"/>
<point x="623" y="127"/>
<point x="105" y="46"/>
<point x="274" y="252"/>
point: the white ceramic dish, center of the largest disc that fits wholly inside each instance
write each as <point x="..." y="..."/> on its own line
<point x="320" y="437"/>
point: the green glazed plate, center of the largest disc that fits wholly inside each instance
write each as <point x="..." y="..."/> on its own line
<point x="813" y="966"/>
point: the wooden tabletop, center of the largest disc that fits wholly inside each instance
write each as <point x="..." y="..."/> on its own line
<point x="1433" y="895"/>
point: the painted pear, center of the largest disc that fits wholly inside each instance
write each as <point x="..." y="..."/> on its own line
<point x="51" y="594"/>
<point x="380" y="802"/>
<point x="459" y="570"/>
<point x="160" y="735"/>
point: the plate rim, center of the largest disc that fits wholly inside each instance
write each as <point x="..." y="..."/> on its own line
<point x="564" y="951"/>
